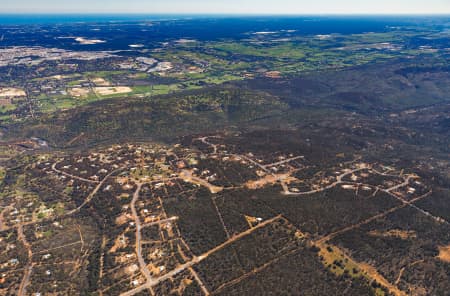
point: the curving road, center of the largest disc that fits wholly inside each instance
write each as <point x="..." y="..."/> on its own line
<point x="197" y="259"/>
<point x="138" y="247"/>
<point x="29" y="268"/>
<point x="70" y="175"/>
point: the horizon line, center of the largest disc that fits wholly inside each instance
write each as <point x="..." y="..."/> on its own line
<point x="228" y="14"/>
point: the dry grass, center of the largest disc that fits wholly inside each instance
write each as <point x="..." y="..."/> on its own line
<point x="9" y="92"/>
<point x="112" y="90"/>
<point x="5" y="102"/>
<point x="79" y="92"/>
<point x="331" y="253"/>
<point x="101" y="81"/>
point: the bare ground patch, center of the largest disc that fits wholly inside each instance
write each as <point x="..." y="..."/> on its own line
<point x="79" y="92"/>
<point x="112" y="90"/>
<point x="9" y="92"/>
<point x="444" y="253"/>
<point x="270" y="180"/>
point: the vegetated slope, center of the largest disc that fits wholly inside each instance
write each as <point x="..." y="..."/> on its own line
<point x="373" y="88"/>
<point x="161" y="118"/>
<point x="364" y="97"/>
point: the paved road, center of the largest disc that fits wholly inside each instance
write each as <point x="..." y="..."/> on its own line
<point x="92" y="194"/>
<point x="187" y="176"/>
<point x="198" y="259"/>
<point x="334" y="184"/>
<point x="283" y="161"/>
<point x="205" y="141"/>
<point x="71" y="176"/>
<point x="29" y="268"/>
<point x="142" y="264"/>
<point x="86" y="201"/>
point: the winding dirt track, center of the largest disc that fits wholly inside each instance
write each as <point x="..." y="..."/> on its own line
<point x="373" y="218"/>
<point x="199" y="281"/>
<point x="283" y="161"/>
<point x="72" y="176"/>
<point x="334" y="184"/>
<point x="1" y="217"/>
<point x="187" y="176"/>
<point x="29" y="268"/>
<point x="198" y="259"/>
<point x="143" y="266"/>
<point x="92" y="194"/>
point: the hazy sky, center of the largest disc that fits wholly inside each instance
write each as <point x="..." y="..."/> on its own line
<point x="228" y="6"/>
